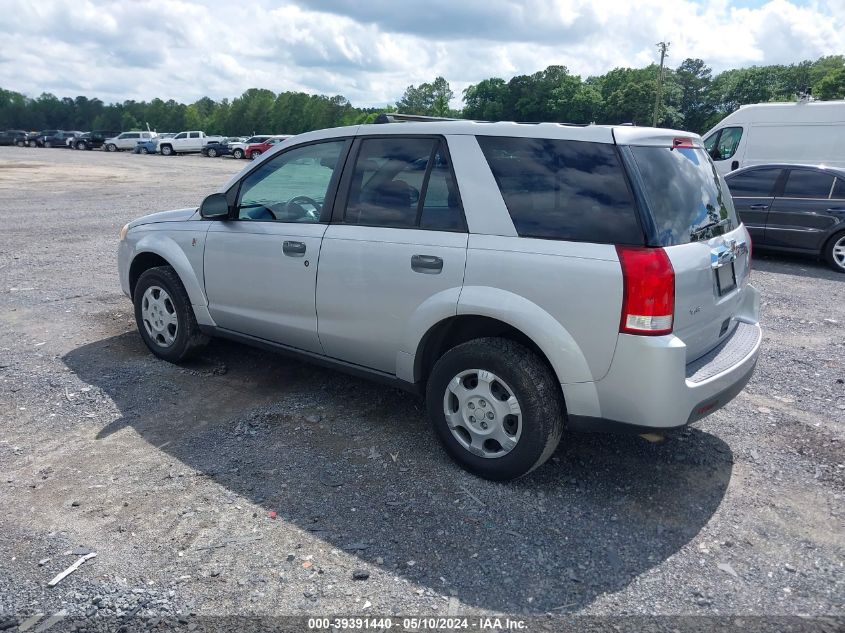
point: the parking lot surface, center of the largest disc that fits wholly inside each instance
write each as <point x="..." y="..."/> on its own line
<point x="247" y="483"/>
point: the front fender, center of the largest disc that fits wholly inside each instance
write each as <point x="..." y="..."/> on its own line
<point x="183" y="250"/>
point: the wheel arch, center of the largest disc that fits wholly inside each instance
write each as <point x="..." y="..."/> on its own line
<point x="487" y="311"/>
<point x="156" y="249"/>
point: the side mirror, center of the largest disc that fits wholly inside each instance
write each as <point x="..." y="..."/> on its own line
<point x="215" y="207"/>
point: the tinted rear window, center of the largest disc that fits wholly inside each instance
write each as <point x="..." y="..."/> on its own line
<point x="756" y="183"/>
<point x="566" y="190"/>
<point x="803" y="183"/>
<point x="687" y="197"/>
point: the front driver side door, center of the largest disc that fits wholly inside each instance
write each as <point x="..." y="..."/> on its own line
<point x="261" y="265"/>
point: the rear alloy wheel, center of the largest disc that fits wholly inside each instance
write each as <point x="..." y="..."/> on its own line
<point x="835" y="252"/>
<point x="80" y="145"/>
<point x="33" y="144"/>
<point x="111" y="147"/>
<point x="496" y="406"/>
<point x="255" y="154"/>
<point x="166" y="150"/>
<point x="164" y="315"/>
<point x="238" y="153"/>
<point x="48" y="144"/>
<point x="212" y="153"/>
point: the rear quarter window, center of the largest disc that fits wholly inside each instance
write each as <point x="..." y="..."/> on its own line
<point x="687" y="198"/>
<point x="565" y="190"/>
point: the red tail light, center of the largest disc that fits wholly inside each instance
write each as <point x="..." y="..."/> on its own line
<point x="648" y="302"/>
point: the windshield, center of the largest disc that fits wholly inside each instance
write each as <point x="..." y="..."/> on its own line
<point x="687" y="197"/>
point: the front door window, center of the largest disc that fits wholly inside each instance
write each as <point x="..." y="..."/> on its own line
<point x="292" y="186"/>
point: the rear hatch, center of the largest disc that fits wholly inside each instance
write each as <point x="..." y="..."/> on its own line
<point x="693" y="218"/>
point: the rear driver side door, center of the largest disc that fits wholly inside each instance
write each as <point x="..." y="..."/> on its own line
<point x="395" y="252"/>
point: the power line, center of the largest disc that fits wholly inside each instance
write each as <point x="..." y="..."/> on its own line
<point x="662" y="47"/>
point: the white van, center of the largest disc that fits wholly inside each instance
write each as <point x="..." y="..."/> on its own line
<point x="808" y="132"/>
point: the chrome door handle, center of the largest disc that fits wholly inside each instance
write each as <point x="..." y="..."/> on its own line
<point x="759" y="207"/>
<point x="293" y="249"/>
<point x="426" y="264"/>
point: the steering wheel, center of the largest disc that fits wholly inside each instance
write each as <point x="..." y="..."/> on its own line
<point x="311" y="214"/>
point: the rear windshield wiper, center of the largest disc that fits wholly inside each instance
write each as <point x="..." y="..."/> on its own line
<point x="697" y="234"/>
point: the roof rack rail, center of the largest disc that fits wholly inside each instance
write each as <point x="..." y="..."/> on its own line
<point x="398" y="117"/>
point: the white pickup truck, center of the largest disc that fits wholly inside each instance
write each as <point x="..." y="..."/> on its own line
<point x="190" y="142"/>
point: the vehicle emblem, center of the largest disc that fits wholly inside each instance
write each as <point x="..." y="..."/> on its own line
<point x="695" y="310"/>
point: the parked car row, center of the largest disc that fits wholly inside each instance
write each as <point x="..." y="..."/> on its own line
<point x="146" y="142"/>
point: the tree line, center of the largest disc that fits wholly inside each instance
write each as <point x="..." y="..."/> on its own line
<point x="693" y="98"/>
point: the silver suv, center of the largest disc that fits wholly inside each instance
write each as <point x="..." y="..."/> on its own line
<point x="526" y="278"/>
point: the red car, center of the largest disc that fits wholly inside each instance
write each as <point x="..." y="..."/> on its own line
<point x="257" y="149"/>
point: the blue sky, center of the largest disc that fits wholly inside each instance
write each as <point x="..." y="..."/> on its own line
<point x="370" y="50"/>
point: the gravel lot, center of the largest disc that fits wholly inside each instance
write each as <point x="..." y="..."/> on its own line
<point x="246" y="483"/>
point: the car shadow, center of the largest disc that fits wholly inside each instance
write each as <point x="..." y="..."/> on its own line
<point x="357" y="465"/>
<point x="793" y="264"/>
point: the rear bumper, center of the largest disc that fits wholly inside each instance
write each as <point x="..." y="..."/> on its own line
<point x="651" y="386"/>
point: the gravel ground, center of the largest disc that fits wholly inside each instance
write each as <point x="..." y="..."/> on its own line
<point x="245" y="483"/>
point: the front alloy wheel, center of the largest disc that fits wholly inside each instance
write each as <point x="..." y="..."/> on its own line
<point x="159" y="316"/>
<point x="164" y="315"/>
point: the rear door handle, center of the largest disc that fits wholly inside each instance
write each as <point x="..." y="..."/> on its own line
<point x="293" y="249"/>
<point x="837" y="209"/>
<point x="758" y="207"/>
<point x="426" y="264"/>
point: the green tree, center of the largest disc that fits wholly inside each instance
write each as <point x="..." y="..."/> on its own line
<point x="485" y="100"/>
<point x="832" y="85"/>
<point x="430" y="99"/>
<point x="693" y="78"/>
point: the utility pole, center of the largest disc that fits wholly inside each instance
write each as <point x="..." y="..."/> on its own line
<point x="662" y="47"/>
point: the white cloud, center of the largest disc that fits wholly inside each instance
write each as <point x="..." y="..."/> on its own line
<point x="370" y="51"/>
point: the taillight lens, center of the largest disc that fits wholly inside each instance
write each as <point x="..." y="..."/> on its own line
<point x="648" y="303"/>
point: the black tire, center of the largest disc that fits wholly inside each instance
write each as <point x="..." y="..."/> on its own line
<point x="532" y="382"/>
<point x="837" y="240"/>
<point x="166" y="150"/>
<point x="33" y="144"/>
<point x="111" y="147"/>
<point x="212" y="153"/>
<point x="255" y="154"/>
<point x="188" y="338"/>
<point x="238" y="153"/>
<point x="81" y="145"/>
<point x="48" y="144"/>
<point x="144" y="150"/>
